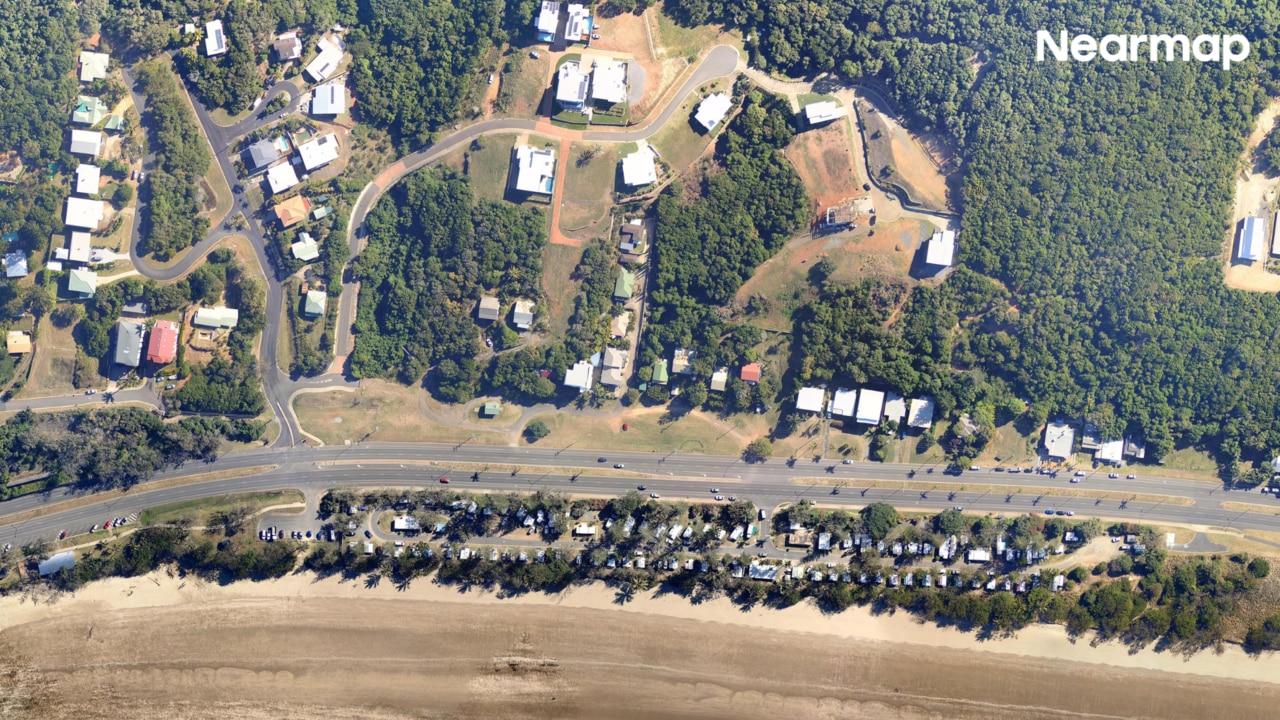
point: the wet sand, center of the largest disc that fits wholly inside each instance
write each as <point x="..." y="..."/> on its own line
<point x="165" y="647"/>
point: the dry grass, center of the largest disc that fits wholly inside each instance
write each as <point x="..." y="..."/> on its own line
<point x="198" y="512"/>
<point x="54" y="363"/>
<point x="678" y="142"/>
<point x="522" y="90"/>
<point x="588" y="190"/>
<point x="1251" y="508"/>
<point x="823" y="158"/>
<point x="379" y="411"/>
<point x="691" y="433"/>
<point x="558" y="264"/>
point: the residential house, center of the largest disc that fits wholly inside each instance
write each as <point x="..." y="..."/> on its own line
<point x="824" y="542"/>
<point x="681" y="361"/>
<point x="609" y="81"/>
<point x="288" y="47"/>
<point x="548" y="21"/>
<point x="327" y="61"/>
<point x="86" y="142"/>
<point x="319" y="152"/>
<point x="406" y="524"/>
<point x="579" y="376"/>
<point x="522" y="314"/>
<point x="1111" y="451"/>
<point x="93" y="66"/>
<point x="264" y="152"/>
<point x="843" y="402"/>
<point x="639" y="168"/>
<point x="17" y="342"/>
<point x="329" y="99"/>
<point x="1090" y="436"/>
<point x="292" y="211"/>
<point x="215" y="40"/>
<point x="129" y="336"/>
<point x="941" y="249"/>
<point x="571" y="85"/>
<point x="491" y="409"/>
<point x="1059" y="440"/>
<point x="15" y="264"/>
<point x="490" y="308"/>
<point x="578" y="26"/>
<point x="750" y="373"/>
<point x="712" y="110"/>
<point x="89" y="110"/>
<point x="764" y="573"/>
<point x="1252" y="232"/>
<point x="625" y="286"/>
<point x="88" y="179"/>
<point x="162" y="346"/>
<point x="305" y="248"/>
<point x="920" y="415"/>
<point x="220" y="317"/>
<point x="719" y="379"/>
<point x="1135" y="448"/>
<point x="535" y="169"/>
<point x="615" y="363"/>
<point x="895" y="408"/>
<point x="281" y="177"/>
<point x="83" y="213"/>
<point x="78" y="247"/>
<point x="618" y="328"/>
<point x="870" y="407"/>
<point x="314" y="303"/>
<point x="823" y="112"/>
<point x="82" y="283"/>
<point x="810" y="399"/>
<point x="660" y="375"/>
<point x="114" y="123"/>
<point x="633" y="243"/>
<point x="979" y="555"/>
<point x="1275" y="234"/>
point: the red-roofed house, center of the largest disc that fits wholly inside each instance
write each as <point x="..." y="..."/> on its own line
<point x="751" y="372"/>
<point x="162" y="346"/>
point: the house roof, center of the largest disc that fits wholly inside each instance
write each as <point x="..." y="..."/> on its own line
<point x="493" y="407"/>
<point x="162" y="346"/>
<point x="681" y="360"/>
<point x="843" y="402"/>
<point x="609" y="81"/>
<point x="89" y="110"/>
<point x="615" y="358"/>
<point x="941" y="249"/>
<point x="535" y="169"/>
<point x="489" y="308"/>
<point x="578" y="26"/>
<point x="548" y="19"/>
<point x="327" y="61"/>
<point x="83" y="213"/>
<point x="522" y="314"/>
<point x="660" y="374"/>
<point x="921" y="413"/>
<point x="264" y="152"/>
<point x="114" y="122"/>
<point x="625" y="286"/>
<point x="78" y="247"/>
<point x="571" y="84"/>
<point x="288" y="47"/>
<point x="639" y="168"/>
<point x="88" y="179"/>
<point x="129" y="337"/>
<point x="613" y="377"/>
<point x="870" y="406"/>
<point x="821" y="112"/>
<point x="82" y="282"/>
<point x="17" y="342"/>
<point x="93" y="65"/>
<point x="712" y="110"/>
<point x="1111" y="451"/>
<point x="216" y="317"/>
<point x="319" y="152"/>
<point x="719" y="379"/>
<point x="579" y="376"/>
<point x="305" y="248"/>
<point x="314" y="303"/>
<point x="292" y="211"/>
<point x="329" y="99"/>
<point x="750" y="372"/>
<point x="1059" y="438"/>
<point x="215" y="40"/>
<point x="86" y="142"/>
<point x="618" y="328"/>
<point x="810" y="399"/>
<point x="281" y="177"/>
<point x="895" y="408"/>
<point x="15" y="264"/>
<point x="1252" y="230"/>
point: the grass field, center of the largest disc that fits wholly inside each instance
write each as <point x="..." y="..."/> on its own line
<point x="678" y="142"/>
<point x="558" y="263"/>
<point x="823" y="159"/>
<point x="54" y="363"/>
<point x="524" y="85"/>
<point x="691" y="433"/>
<point x="487" y="167"/>
<point x="198" y="511"/>
<point x="381" y="411"/>
<point x="680" y="42"/>
<point x="588" y="189"/>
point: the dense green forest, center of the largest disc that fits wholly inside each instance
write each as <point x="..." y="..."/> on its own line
<point x="433" y="250"/>
<point x="750" y="203"/>
<point x="38" y="51"/>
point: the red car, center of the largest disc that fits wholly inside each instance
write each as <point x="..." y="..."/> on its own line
<point x="62" y="535"/>
<point x="106" y="525"/>
<point x="444" y="481"/>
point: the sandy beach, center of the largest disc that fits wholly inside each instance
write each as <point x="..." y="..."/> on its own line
<point x="301" y="647"/>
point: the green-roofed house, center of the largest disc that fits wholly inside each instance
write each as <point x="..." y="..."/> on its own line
<point x="89" y="110"/>
<point x="115" y="123"/>
<point x="82" y="283"/>
<point x="625" y="287"/>
<point x="491" y="409"/>
<point x="660" y="371"/>
<point x="315" y="303"/>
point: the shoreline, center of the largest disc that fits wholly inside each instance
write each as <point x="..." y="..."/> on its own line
<point x="1041" y="642"/>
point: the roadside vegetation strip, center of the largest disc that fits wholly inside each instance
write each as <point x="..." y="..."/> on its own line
<point x="958" y="487"/>
<point x="1252" y="508"/>
<point x="54" y="508"/>
<point x="604" y="469"/>
<point x="199" y="510"/>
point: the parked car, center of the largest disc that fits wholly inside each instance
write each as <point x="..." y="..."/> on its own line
<point x="1130" y="477"/>
<point x="62" y="535"/>
<point x="491" y="78"/>
<point x="733" y="498"/>
<point x="170" y="386"/>
<point x="655" y="496"/>
<point x="719" y="497"/>
<point x="368" y="534"/>
<point x="1048" y="512"/>
<point x="90" y="391"/>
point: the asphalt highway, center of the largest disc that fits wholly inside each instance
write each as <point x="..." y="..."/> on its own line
<point x="671" y="475"/>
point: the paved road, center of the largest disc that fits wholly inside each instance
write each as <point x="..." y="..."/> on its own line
<point x="145" y="395"/>
<point x="671" y="475"/>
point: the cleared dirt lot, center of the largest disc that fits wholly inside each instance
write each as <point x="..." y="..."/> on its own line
<point x="823" y="159"/>
<point x="896" y="157"/>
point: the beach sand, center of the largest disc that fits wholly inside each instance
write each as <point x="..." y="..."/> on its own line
<point x="160" y="646"/>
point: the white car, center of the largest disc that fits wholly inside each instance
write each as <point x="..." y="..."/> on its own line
<point x="975" y="467"/>
<point x="1075" y="479"/>
<point x="719" y="497"/>
<point x="1130" y="477"/>
<point x="91" y="391"/>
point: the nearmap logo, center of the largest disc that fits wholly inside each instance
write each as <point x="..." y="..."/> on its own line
<point x="1226" y="49"/>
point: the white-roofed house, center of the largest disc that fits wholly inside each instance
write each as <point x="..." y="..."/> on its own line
<point x="88" y="179"/>
<point x="535" y="169"/>
<point x="719" y="379"/>
<point x="305" y="248"/>
<point x="319" y="152"/>
<point x="578" y="26"/>
<point x="1111" y="451"/>
<point x="1059" y="440"/>
<point x="329" y="99"/>
<point x="215" y="39"/>
<point x="921" y="413"/>
<point x="83" y="213"/>
<point x="810" y="399"/>
<point x="548" y="21"/>
<point x="895" y="408"/>
<point x="615" y="363"/>
<point x="1252" y="232"/>
<point x="86" y="142"/>
<point x="579" y="376"/>
<point x="823" y="112"/>
<point x="15" y="264"/>
<point x="842" y="404"/>
<point x="941" y="249"/>
<point x="327" y="61"/>
<point x="522" y="315"/>
<point x="93" y="66"/>
<point x="639" y="167"/>
<point x="78" y="249"/>
<point x="489" y="309"/>
<point x="281" y="177"/>
<point x="571" y="85"/>
<point x="609" y="82"/>
<point x="712" y="110"/>
<point x="870" y="406"/>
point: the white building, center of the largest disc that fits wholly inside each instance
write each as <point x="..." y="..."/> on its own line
<point x="78" y="249"/>
<point x="83" y="213"/>
<point x="86" y="142"/>
<point x="329" y="99"/>
<point x="942" y="248"/>
<point x="215" y="40"/>
<point x="895" y="408"/>
<point x="712" y="110"/>
<point x="327" y="61"/>
<point x="571" y="86"/>
<point x="88" y="179"/>
<point x="823" y="112"/>
<point x="319" y="152"/>
<point x="1252" y="232"/>
<point x="1059" y="440"/>
<point x="522" y="314"/>
<point x="639" y="168"/>
<point x="609" y="81"/>
<point x="843" y="402"/>
<point x="921" y="413"/>
<point x="535" y="169"/>
<point x="1275" y="235"/>
<point x="548" y="21"/>
<point x="579" y="376"/>
<point x="93" y="66"/>
<point x="578" y="27"/>
<point x="305" y="248"/>
<point x="870" y="406"/>
<point x="810" y="399"/>
<point x="281" y="177"/>
<point x="720" y="379"/>
<point x="1111" y="451"/>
